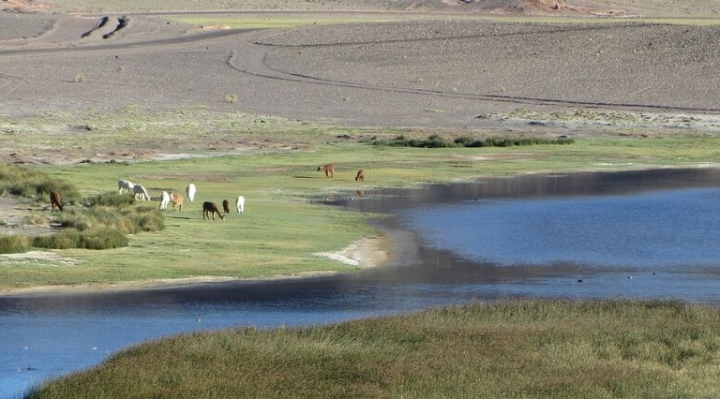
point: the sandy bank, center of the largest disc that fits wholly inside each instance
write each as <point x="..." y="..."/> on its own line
<point x="364" y="253"/>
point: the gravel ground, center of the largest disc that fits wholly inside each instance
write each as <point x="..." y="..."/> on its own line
<point x="435" y="73"/>
<point x="456" y="72"/>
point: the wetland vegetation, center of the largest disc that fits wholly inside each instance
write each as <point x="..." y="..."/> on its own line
<point x="519" y="349"/>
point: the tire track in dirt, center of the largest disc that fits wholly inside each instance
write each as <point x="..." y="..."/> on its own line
<point x="253" y="62"/>
<point x="145" y="44"/>
<point x="540" y="31"/>
<point x="103" y="21"/>
<point x="10" y="83"/>
<point x="254" y="52"/>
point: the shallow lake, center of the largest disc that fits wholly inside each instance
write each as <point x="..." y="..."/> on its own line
<point x="649" y="234"/>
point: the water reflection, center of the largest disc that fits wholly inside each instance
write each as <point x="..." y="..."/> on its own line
<point x="536" y="186"/>
<point x="47" y="336"/>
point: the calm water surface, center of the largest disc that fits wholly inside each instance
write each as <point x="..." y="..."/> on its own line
<point x="650" y="234"/>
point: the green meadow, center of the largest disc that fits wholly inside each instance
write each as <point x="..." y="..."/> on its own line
<point x="285" y="221"/>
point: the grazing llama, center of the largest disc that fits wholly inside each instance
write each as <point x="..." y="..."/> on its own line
<point x="190" y="191"/>
<point x="55" y="201"/>
<point x="164" y="200"/>
<point x="240" y="204"/>
<point x="177" y="201"/>
<point x="226" y="206"/>
<point x="139" y="190"/>
<point x="360" y="175"/>
<point x="211" y="208"/>
<point x="126" y="185"/>
<point x="329" y="170"/>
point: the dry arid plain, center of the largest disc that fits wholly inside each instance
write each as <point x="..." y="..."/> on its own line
<point x="571" y="67"/>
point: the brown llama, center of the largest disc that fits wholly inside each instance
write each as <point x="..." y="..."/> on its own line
<point x="329" y="170"/>
<point x="211" y="208"/>
<point x="177" y="201"/>
<point x="55" y="201"/>
<point x="226" y="206"/>
<point x="360" y="175"/>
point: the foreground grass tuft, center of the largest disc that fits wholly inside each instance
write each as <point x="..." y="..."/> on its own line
<point x="91" y="238"/>
<point x="14" y="244"/>
<point x="524" y="349"/>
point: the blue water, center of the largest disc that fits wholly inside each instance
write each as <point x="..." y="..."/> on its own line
<point x="525" y="237"/>
<point x="46" y="337"/>
<point x="651" y="231"/>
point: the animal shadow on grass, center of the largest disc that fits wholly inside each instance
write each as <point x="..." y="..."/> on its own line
<point x="179" y="217"/>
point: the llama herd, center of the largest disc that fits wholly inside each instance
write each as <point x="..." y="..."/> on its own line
<point x="210" y="209"/>
<point x="176" y="199"/>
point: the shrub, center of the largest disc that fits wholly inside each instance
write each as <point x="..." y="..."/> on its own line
<point x="435" y="141"/>
<point x="108" y="217"/>
<point x="78" y="220"/>
<point x="102" y="238"/>
<point x="99" y="237"/>
<point x="12" y="244"/>
<point x="34" y="184"/>
<point x="126" y="219"/>
<point x="111" y="198"/>
<point x="65" y="239"/>
<point x="146" y="218"/>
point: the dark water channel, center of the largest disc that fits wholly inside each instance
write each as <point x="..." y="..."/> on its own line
<point x="649" y="234"/>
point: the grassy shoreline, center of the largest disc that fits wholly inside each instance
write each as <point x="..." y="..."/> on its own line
<point x="517" y="349"/>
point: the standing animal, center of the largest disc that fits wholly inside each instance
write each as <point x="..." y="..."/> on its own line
<point x="142" y="192"/>
<point x="55" y="201"/>
<point x="329" y="170"/>
<point x="177" y="201"/>
<point x="360" y="176"/>
<point x="164" y="200"/>
<point x="190" y="191"/>
<point x="240" y="204"/>
<point x="226" y="206"/>
<point x="211" y="208"/>
<point x="126" y="185"/>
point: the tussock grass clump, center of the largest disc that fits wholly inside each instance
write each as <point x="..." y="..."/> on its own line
<point x="436" y="141"/>
<point x="65" y="239"/>
<point x="101" y="225"/>
<point x="102" y="238"/>
<point x="34" y="184"/>
<point x="12" y="244"/>
<point x="524" y="349"/>
<point x="91" y="238"/>
<point x="127" y="220"/>
<point x="145" y="218"/>
<point x="511" y="142"/>
<point x="111" y="198"/>
<point x="95" y="228"/>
